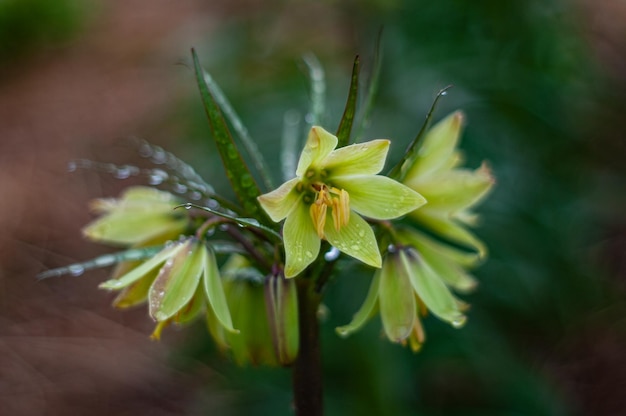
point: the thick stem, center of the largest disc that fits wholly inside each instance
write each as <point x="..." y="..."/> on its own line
<point x="307" y="369"/>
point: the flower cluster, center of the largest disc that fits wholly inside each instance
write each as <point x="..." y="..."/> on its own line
<point x="418" y="271"/>
<point x="244" y="266"/>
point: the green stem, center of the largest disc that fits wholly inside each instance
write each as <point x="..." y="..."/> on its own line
<point x="307" y="369"/>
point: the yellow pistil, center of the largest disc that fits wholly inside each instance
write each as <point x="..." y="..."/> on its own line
<point x="339" y="202"/>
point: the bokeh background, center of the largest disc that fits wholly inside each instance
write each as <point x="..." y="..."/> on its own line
<point x="543" y="84"/>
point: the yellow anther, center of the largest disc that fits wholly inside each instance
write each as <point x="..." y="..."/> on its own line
<point x="339" y="202"/>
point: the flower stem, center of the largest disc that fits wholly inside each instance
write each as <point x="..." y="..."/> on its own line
<point x="307" y="369"/>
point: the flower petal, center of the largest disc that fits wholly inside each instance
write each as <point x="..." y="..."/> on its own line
<point x="177" y="282"/>
<point x="318" y="146"/>
<point x="431" y="289"/>
<point x="449" y="229"/>
<point x="302" y="245"/>
<point x="455" y="190"/>
<point x="134" y="227"/>
<point x="358" y="159"/>
<point x="356" y="239"/>
<point x="379" y="197"/>
<point x="279" y="203"/>
<point x="438" y="147"/>
<point x="398" y="309"/>
<point x="140" y="271"/>
<point x="366" y="310"/>
<point x="441" y="261"/>
<point x="214" y="290"/>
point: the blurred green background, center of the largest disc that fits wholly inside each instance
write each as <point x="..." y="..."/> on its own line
<point x="543" y="84"/>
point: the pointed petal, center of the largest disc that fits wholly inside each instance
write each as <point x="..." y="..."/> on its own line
<point x="279" y="203"/>
<point x="438" y="147"/>
<point x="136" y="293"/>
<point x="318" y="146"/>
<point x="358" y="159"/>
<point x="356" y="239"/>
<point x="451" y="230"/>
<point x="431" y="289"/>
<point x="455" y="190"/>
<point x="417" y="239"/>
<point x="189" y="312"/>
<point x="176" y="283"/>
<point x="214" y="290"/>
<point x="443" y="260"/>
<point x="140" y="271"/>
<point x="365" y="312"/>
<point x="379" y="197"/>
<point x="302" y="245"/>
<point x="281" y="301"/>
<point x="398" y="309"/>
<point x="128" y="228"/>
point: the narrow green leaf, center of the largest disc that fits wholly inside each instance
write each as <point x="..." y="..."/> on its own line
<point x="245" y="222"/>
<point x="318" y="88"/>
<point x="372" y="88"/>
<point x="241" y="130"/>
<point x="237" y="171"/>
<point x="399" y="171"/>
<point x="345" y="126"/>
<point x="105" y="260"/>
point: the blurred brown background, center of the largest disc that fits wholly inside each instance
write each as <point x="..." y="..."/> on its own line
<point x="118" y="73"/>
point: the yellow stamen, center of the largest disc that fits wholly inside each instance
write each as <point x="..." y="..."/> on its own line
<point x="339" y="202"/>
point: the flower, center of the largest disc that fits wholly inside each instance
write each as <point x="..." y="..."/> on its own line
<point x="406" y="287"/>
<point x="265" y="309"/>
<point x="177" y="283"/>
<point x="331" y="190"/>
<point x="451" y="191"/>
<point x="142" y="214"/>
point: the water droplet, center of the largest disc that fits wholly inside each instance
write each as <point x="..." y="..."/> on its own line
<point x="76" y="269"/>
<point x="145" y="150"/>
<point x="71" y="166"/>
<point x="458" y="321"/>
<point x="308" y="254"/>
<point x="332" y="254"/>
<point x="158" y="156"/>
<point x="444" y="92"/>
<point x="392" y="249"/>
<point x="309" y="118"/>
<point x="157" y="176"/>
<point x="195" y="195"/>
<point x="355" y="247"/>
<point x="180" y="188"/>
<point x="104" y="260"/>
<point x="361" y="233"/>
<point x="123" y="172"/>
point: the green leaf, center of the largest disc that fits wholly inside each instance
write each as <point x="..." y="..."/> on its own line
<point x="105" y="260"/>
<point x="318" y="87"/>
<point x="237" y="171"/>
<point x="372" y="88"/>
<point x="242" y="132"/>
<point x="245" y="222"/>
<point x="400" y="170"/>
<point x="365" y="312"/>
<point x="345" y="126"/>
